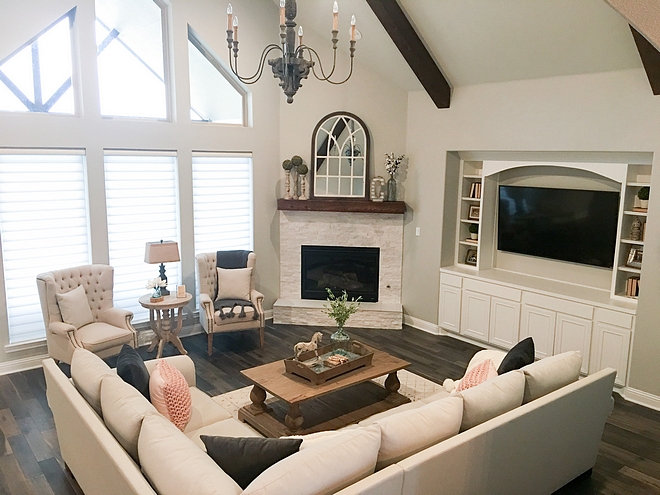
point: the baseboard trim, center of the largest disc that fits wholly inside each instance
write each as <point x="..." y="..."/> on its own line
<point x="419" y="324"/>
<point x="642" y="398"/>
<point x="23" y="364"/>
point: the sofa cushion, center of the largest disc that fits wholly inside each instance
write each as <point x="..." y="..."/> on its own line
<point x="408" y="406"/>
<point x="87" y="371"/>
<point x="246" y="458"/>
<point x="74" y="307"/>
<point x="174" y="465"/>
<point x="234" y="283"/>
<point x="131" y="368"/>
<point x="323" y="469"/>
<point x="205" y="411"/>
<point x="518" y="356"/>
<point x="477" y="375"/>
<point x="550" y="374"/>
<point x="170" y="394"/>
<point x="225" y="428"/>
<point x="313" y="439"/>
<point x="492" y="398"/>
<point x="410" y="431"/>
<point x="123" y="409"/>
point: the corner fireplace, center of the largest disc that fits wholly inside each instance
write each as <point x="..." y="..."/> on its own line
<point x="353" y="269"/>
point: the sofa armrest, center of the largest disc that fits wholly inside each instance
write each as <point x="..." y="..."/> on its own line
<point x="257" y="299"/>
<point x="206" y="305"/>
<point x="183" y="363"/>
<point x="62" y="329"/>
<point x="118" y="318"/>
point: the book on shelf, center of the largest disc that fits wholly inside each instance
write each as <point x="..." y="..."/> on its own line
<point x="643" y="231"/>
<point x="475" y="190"/>
<point x="471" y="241"/>
<point x="632" y="287"/>
<point x="640" y="210"/>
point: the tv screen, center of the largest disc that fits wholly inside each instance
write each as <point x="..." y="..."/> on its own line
<point x="561" y="224"/>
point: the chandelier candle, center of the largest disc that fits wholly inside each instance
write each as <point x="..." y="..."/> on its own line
<point x="335" y="17"/>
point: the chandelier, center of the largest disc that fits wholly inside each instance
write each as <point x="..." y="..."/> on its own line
<point x="292" y="66"/>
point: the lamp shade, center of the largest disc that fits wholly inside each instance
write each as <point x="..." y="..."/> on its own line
<point x="161" y="252"/>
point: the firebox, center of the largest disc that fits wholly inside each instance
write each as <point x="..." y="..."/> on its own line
<point x="353" y="269"/>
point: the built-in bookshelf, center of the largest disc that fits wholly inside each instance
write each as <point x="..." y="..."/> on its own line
<point x="469" y="213"/>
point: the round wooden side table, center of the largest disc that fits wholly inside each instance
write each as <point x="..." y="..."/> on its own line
<point x="161" y="317"/>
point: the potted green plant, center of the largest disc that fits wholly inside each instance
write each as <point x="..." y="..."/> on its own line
<point x="643" y="195"/>
<point x="474" y="231"/>
<point x="340" y="309"/>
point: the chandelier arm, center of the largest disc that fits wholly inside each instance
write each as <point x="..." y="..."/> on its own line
<point x="260" y="68"/>
<point x="327" y="78"/>
<point x="313" y="52"/>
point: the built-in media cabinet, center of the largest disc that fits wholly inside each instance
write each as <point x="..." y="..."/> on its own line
<point x="499" y="298"/>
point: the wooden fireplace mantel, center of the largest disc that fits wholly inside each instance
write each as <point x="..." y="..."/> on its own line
<point x="343" y="205"/>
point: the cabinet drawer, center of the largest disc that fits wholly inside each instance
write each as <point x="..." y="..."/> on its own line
<point x="559" y="305"/>
<point x="449" y="279"/>
<point x="623" y="320"/>
<point x="492" y="289"/>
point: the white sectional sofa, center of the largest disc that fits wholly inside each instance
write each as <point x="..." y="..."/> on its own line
<point x="534" y="448"/>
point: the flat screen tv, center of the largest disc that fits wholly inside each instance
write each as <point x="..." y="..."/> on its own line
<point x="561" y="224"/>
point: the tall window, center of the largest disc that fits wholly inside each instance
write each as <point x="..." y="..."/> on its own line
<point x="222" y="202"/>
<point x="142" y="206"/>
<point x="37" y="76"/>
<point x="130" y="47"/>
<point x="44" y="226"/>
<point x="215" y="95"/>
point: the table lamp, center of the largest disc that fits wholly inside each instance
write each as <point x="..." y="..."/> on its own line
<point x="162" y="252"/>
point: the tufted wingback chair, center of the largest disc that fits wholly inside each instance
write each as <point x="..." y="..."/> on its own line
<point x="207" y="282"/>
<point x="109" y="331"/>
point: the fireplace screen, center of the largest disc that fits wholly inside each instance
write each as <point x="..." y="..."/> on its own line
<point x="353" y="269"/>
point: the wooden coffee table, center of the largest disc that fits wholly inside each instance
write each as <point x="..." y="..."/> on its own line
<point x="295" y="391"/>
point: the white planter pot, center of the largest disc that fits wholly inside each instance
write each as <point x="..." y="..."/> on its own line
<point x="474" y="237"/>
<point x="643" y="203"/>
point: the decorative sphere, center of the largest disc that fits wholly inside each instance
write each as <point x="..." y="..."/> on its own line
<point x="297" y="161"/>
<point x="287" y="165"/>
<point x="302" y="169"/>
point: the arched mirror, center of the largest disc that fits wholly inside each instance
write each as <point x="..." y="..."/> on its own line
<point x="340" y="157"/>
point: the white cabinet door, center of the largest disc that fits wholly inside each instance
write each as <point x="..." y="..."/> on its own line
<point x="475" y="315"/>
<point x="450" y="308"/>
<point x="573" y="334"/>
<point x="610" y="349"/>
<point x="539" y="324"/>
<point x="504" y="322"/>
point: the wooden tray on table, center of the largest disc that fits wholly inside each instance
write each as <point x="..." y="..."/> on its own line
<point x="318" y="369"/>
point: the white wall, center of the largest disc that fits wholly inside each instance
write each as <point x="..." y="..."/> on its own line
<point x="607" y="112"/>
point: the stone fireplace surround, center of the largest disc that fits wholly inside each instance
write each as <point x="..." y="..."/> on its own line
<point x="340" y="228"/>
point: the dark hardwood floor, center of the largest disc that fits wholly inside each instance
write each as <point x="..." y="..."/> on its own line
<point x="628" y="460"/>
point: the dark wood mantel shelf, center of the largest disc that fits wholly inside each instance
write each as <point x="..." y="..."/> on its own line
<point x="343" y="205"/>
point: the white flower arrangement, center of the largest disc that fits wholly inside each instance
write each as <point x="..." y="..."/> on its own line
<point x="392" y="163"/>
<point x="155" y="282"/>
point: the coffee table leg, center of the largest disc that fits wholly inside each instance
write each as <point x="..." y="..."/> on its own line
<point x="258" y="396"/>
<point x="392" y="383"/>
<point x="293" y="419"/>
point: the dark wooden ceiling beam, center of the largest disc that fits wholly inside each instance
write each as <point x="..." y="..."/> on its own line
<point x="650" y="59"/>
<point x="406" y="39"/>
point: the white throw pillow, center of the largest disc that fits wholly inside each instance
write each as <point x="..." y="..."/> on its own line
<point x="87" y="372"/>
<point x="74" y="307"/>
<point x="550" y="374"/>
<point x="492" y="398"/>
<point x="414" y="430"/>
<point x="123" y="409"/>
<point x="495" y="356"/>
<point x="234" y="283"/>
<point x="175" y="465"/>
<point x="323" y="469"/>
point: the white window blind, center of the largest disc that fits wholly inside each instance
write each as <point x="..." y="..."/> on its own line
<point x="142" y="206"/>
<point x="222" y="202"/>
<point x="44" y="226"/>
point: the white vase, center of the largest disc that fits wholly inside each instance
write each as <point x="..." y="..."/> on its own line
<point x="474" y="237"/>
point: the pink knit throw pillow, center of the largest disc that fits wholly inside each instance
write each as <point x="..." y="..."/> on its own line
<point x="170" y="394"/>
<point x="479" y="374"/>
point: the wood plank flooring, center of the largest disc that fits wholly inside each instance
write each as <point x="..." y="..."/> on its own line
<point x="30" y="463"/>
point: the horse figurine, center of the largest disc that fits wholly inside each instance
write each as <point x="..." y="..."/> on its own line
<point x="312" y="345"/>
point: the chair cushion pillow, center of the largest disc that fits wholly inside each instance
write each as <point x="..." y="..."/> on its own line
<point x="246" y="458"/>
<point x="550" y="374"/>
<point x="326" y="468"/>
<point x="87" y="372"/>
<point x="234" y="283"/>
<point x="492" y="398"/>
<point x="414" y="430"/>
<point x="520" y="355"/>
<point x="175" y="465"/>
<point x="131" y="368"/>
<point x="480" y="373"/>
<point x="74" y="307"/>
<point x="170" y="394"/>
<point x="123" y="410"/>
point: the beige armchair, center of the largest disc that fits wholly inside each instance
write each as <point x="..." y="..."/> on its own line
<point x="111" y="327"/>
<point x="211" y="319"/>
